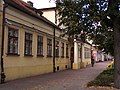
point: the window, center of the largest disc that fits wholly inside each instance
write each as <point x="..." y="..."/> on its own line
<point x="62" y="50"/>
<point x="57" y="48"/>
<point x="49" y="47"/>
<point x="67" y="51"/>
<point x="79" y="52"/>
<point x="40" y="46"/>
<point x="87" y="52"/>
<point x="12" y="41"/>
<point x="28" y="43"/>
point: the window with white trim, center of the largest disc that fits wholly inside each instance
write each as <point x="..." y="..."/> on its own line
<point x="12" y="41"/>
<point x="40" y="45"/>
<point x="49" y="47"/>
<point x="28" y="43"/>
<point x="62" y="50"/>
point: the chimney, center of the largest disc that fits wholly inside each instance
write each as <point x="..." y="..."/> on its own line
<point x="30" y="3"/>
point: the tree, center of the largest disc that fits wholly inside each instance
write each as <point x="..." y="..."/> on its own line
<point x="99" y="20"/>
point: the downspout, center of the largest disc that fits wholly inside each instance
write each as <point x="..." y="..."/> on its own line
<point x="2" y="45"/>
<point x="54" y="44"/>
<point x="81" y="53"/>
<point x="54" y="51"/>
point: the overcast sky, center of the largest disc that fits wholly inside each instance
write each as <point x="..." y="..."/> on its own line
<point x="42" y="3"/>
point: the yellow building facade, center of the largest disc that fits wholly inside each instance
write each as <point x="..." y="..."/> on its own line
<point x="29" y="43"/>
<point x="83" y="49"/>
<point x="18" y="64"/>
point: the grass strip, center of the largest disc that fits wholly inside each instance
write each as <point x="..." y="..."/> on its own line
<point x="103" y="79"/>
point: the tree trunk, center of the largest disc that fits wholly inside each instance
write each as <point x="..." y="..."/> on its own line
<point x="116" y="26"/>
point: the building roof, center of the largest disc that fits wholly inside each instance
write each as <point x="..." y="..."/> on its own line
<point x="88" y="43"/>
<point x="50" y="8"/>
<point x="26" y="8"/>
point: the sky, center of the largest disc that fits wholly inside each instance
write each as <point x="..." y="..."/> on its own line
<point x="42" y="3"/>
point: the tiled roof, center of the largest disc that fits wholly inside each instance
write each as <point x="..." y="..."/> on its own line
<point x="24" y="7"/>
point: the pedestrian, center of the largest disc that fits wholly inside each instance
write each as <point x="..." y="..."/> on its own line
<point x="92" y="62"/>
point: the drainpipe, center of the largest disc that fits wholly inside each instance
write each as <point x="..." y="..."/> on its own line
<point x="54" y="42"/>
<point x="54" y="51"/>
<point x="81" y="52"/>
<point x="2" y="45"/>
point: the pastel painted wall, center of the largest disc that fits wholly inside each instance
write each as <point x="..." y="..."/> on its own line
<point x="49" y="14"/>
<point x="86" y="61"/>
<point x="20" y="66"/>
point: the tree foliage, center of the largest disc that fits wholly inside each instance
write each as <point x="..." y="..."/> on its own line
<point x="99" y="20"/>
<point x="94" y="17"/>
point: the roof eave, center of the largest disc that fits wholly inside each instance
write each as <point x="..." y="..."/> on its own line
<point x="28" y="13"/>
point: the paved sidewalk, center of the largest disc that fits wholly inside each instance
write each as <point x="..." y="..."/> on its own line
<point x="62" y="80"/>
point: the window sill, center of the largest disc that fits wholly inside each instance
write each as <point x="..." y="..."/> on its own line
<point x="13" y="54"/>
<point x="49" y="56"/>
<point x="40" y="55"/>
<point x="62" y="56"/>
<point x="57" y="56"/>
<point x="67" y="57"/>
<point x="28" y="55"/>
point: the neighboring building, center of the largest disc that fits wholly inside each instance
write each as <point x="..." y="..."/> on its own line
<point x="99" y="55"/>
<point x="50" y="14"/>
<point x="28" y="43"/>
